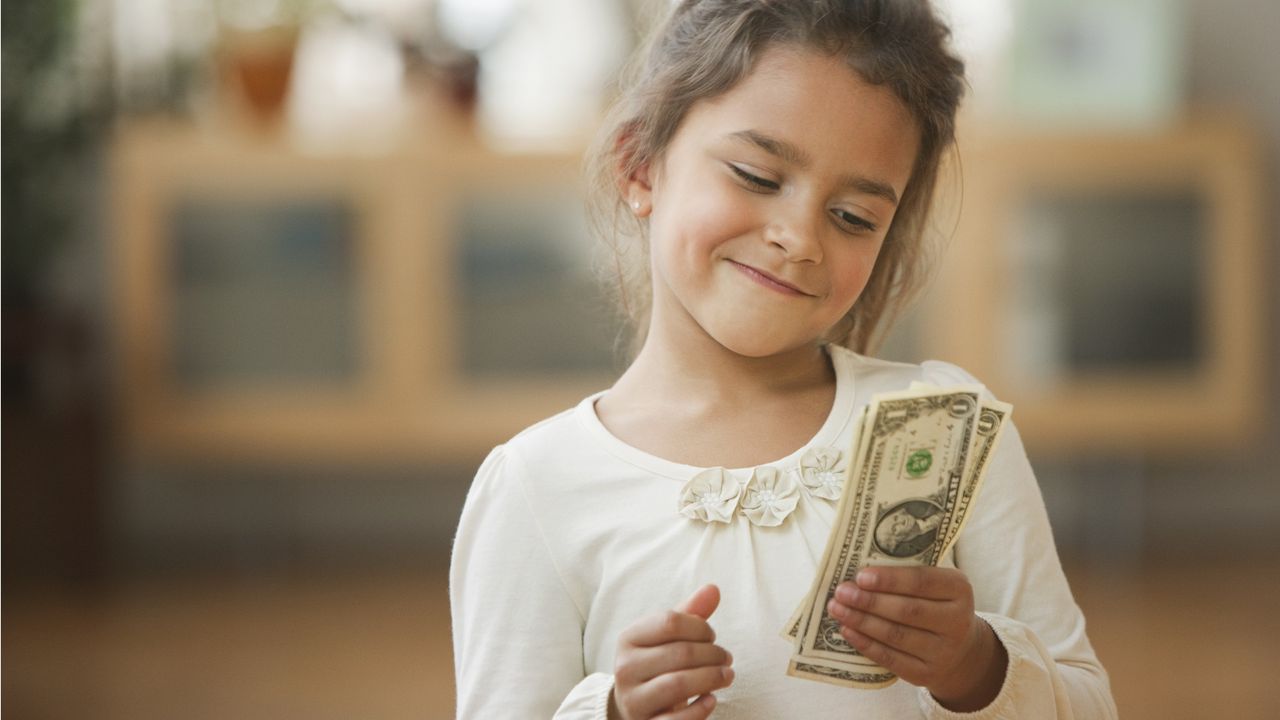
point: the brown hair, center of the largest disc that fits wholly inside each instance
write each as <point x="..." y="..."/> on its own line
<point x="703" y="49"/>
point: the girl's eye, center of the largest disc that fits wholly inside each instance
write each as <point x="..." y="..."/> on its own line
<point x="856" y="223"/>
<point x="755" y="182"/>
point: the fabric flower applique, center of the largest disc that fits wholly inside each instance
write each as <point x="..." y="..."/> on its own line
<point x="770" y="496"/>
<point x="820" y="472"/>
<point x="711" y="496"/>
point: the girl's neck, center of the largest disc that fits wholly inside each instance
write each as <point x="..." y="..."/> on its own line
<point x="698" y="403"/>
<point x="697" y="369"/>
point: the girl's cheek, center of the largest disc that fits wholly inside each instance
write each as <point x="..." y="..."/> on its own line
<point x="856" y="274"/>
<point x="713" y="223"/>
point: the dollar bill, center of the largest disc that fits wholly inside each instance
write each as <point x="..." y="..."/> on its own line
<point x="861" y="435"/>
<point x="917" y="463"/>
<point x="991" y="423"/>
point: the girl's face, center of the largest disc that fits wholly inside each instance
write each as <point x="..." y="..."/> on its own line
<point x="769" y="206"/>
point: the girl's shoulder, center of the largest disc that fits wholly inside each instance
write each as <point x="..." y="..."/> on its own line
<point x="550" y="429"/>
<point x="556" y="443"/>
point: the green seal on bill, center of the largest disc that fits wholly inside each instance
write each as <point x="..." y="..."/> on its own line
<point x="918" y="463"/>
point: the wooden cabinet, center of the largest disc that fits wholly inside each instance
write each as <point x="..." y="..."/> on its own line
<point x="1111" y="285"/>
<point x="274" y="304"/>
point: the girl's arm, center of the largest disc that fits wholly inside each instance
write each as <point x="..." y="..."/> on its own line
<point x="1007" y="552"/>
<point x="517" y="633"/>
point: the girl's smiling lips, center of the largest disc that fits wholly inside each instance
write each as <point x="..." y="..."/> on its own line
<point x="769" y="281"/>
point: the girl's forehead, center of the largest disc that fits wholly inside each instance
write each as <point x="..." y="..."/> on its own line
<point x="790" y="83"/>
<point x="817" y="104"/>
<point x="786" y="75"/>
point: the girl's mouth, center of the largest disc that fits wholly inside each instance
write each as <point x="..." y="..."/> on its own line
<point x="769" y="281"/>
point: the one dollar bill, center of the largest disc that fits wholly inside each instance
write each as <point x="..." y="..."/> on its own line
<point x="917" y="463"/>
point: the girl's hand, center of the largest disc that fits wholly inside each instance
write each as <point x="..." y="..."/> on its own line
<point x="918" y="623"/>
<point x="666" y="659"/>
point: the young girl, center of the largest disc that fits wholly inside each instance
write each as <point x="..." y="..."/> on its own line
<point x="778" y="158"/>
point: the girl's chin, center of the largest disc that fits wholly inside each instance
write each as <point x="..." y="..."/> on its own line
<point x="750" y="342"/>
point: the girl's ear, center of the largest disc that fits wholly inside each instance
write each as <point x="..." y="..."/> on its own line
<point x="639" y="192"/>
<point x="633" y="180"/>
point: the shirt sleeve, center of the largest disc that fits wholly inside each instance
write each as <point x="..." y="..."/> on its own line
<point x="517" y="633"/>
<point x="1006" y="550"/>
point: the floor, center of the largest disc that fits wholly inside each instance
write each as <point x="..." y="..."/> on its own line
<point x="1179" y="643"/>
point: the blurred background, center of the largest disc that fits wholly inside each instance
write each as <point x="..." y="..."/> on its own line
<point x="276" y="275"/>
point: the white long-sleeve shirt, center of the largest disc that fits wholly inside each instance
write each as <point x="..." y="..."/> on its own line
<point x="569" y="536"/>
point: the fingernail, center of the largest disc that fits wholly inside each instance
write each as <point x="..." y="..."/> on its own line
<point x="708" y="700"/>
<point x="845" y="594"/>
<point x="727" y="673"/>
<point x="728" y="658"/>
<point x="866" y="578"/>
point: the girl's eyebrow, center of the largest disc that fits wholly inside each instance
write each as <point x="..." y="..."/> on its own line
<point x="792" y="154"/>
<point x="787" y="151"/>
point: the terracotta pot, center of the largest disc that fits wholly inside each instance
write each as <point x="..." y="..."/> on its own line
<point x="260" y="62"/>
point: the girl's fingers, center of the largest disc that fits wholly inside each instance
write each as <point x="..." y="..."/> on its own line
<point x="670" y="626"/>
<point x="913" y="641"/>
<point x="907" y="666"/>
<point x="696" y="710"/>
<point x="933" y="615"/>
<point x="922" y="581"/>
<point x="665" y="691"/>
<point x="702" y="603"/>
<point x="645" y="663"/>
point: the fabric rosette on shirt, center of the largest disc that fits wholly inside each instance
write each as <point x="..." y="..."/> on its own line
<point x="821" y="474"/>
<point x="711" y="496"/>
<point x="770" y="496"/>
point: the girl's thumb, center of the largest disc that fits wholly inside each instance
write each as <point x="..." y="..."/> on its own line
<point x="702" y="602"/>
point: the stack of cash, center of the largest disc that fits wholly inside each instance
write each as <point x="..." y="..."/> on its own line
<point x="917" y="463"/>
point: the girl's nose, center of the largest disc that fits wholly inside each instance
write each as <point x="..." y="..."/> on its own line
<point x="797" y="236"/>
